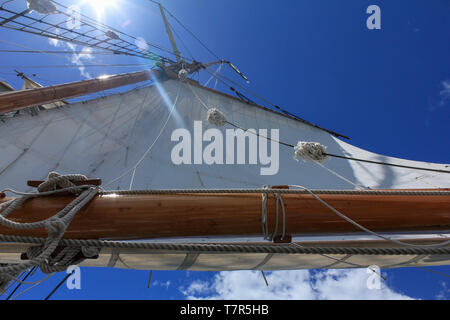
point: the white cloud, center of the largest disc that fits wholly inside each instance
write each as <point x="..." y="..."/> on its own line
<point x="164" y="284"/>
<point x="444" y="293"/>
<point x="75" y="58"/>
<point x="290" y="285"/>
<point x="445" y="92"/>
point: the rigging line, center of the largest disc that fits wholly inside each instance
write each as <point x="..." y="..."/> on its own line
<point x="118" y="31"/>
<point x="343" y="261"/>
<point x="75" y="66"/>
<point x="280" y="142"/>
<point x="14" y="44"/>
<point x="340" y="177"/>
<point x="221" y="78"/>
<point x="29" y="283"/>
<point x="265" y="279"/>
<point x="156" y="140"/>
<point x="219" y="68"/>
<point x="438" y="245"/>
<point x="388" y="164"/>
<point x="149" y="279"/>
<point x="59" y="284"/>
<point x="20" y="283"/>
<point x="434" y="272"/>
<point x="185" y="28"/>
<point x="149" y="149"/>
<point x="343" y="157"/>
<point x="123" y="262"/>
<point x="28" y="289"/>
<point x="181" y="40"/>
<point x="48" y="34"/>
<point x="58" y="52"/>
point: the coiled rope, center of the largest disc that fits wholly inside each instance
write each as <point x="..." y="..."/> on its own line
<point x="56" y="225"/>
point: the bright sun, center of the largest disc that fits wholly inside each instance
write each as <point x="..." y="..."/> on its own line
<point x="101" y="5"/>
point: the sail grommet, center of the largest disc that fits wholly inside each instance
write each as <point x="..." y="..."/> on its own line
<point x="311" y="151"/>
<point x="216" y="117"/>
<point x="183" y="74"/>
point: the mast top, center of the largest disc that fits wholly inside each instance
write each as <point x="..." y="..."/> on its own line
<point x="170" y="34"/>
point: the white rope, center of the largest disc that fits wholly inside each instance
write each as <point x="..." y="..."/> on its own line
<point x="340" y="177"/>
<point x="55" y="225"/>
<point x="216" y="117"/>
<point x="311" y="151"/>
<point x="438" y="245"/>
<point x="316" y="153"/>
<point x="213" y="75"/>
<point x="144" y="156"/>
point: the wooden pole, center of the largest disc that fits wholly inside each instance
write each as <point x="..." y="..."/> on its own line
<point x="17" y="100"/>
<point x="221" y="215"/>
<point x="170" y="34"/>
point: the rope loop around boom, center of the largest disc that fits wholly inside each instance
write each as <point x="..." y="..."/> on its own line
<point x="49" y="256"/>
<point x="264" y="216"/>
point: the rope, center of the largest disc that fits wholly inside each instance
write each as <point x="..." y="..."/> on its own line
<point x="134" y="168"/>
<point x="28" y="289"/>
<point x="216" y="72"/>
<point x="233" y="248"/>
<point x="55" y="225"/>
<point x="264" y="219"/>
<point x="280" y="191"/>
<point x="442" y="244"/>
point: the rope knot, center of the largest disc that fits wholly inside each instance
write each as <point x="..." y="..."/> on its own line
<point x="56" y="180"/>
<point x="90" y="252"/>
<point x="311" y="151"/>
<point x="216" y="117"/>
<point x="183" y="74"/>
<point x="55" y="227"/>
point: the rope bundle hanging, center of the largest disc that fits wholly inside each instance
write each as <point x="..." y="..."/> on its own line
<point x="311" y="151"/>
<point x="47" y="256"/>
<point x="216" y="117"/>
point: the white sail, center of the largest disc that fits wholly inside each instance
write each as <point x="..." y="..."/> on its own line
<point x="127" y="141"/>
<point x="106" y="137"/>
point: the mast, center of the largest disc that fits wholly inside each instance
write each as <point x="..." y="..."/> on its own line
<point x="170" y="34"/>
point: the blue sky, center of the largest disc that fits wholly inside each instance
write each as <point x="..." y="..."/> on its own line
<point x="388" y="90"/>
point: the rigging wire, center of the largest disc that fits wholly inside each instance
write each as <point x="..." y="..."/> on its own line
<point x="329" y="154"/>
<point x="433" y="271"/>
<point x="59" y="52"/>
<point x="185" y="28"/>
<point x="181" y="40"/>
<point x="102" y="38"/>
<point x="159" y="47"/>
<point x="59" y="285"/>
<point x="28" y="289"/>
<point x="134" y="168"/>
<point x="75" y="66"/>
<point x="20" y="283"/>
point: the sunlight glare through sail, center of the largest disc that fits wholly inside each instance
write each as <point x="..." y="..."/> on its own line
<point x="100" y="6"/>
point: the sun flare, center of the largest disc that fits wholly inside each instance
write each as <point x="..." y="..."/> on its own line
<point x="100" y="6"/>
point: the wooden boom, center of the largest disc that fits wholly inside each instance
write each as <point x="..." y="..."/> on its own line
<point x="16" y="100"/>
<point x="221" y="215"/>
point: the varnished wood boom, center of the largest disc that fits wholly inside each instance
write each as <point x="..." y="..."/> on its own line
<point x="219" y="215"/>
<point x="16" y="100"/>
